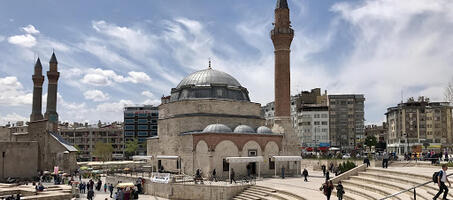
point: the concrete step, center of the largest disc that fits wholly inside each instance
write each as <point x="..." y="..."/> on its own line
<point x="374" y="190"/>
<point x="259" y="193"/>
<point x="347" y="196"/>
<point x="360" y="192"/>
<point x="252" y="194"/>
<point x="394" y="186"/>
<point x="263" y="188"/>
<point x="248" y="197"/>
<point x="279" y="194"/>
<point x="400" y="174"/>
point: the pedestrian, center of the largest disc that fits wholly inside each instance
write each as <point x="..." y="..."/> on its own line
<point x="441" y="179"/>
<point x="323" y="167"/>
<point x="331" y="167"/>
<point x="232" y="176"/>
<point x="90" y="194"/>
<point x="81" y="187"/>
<point x="214" y="178"/>
<point x="105" y="187"/>
<point x="366" y="161"/>
<point x="340" y="190"/>
<point x="305" y="173"/>
<point x="327" y="188"/>
<point x="111" y="189"/>
<point x="327" y="175"/>
<point x="385" y="160"/>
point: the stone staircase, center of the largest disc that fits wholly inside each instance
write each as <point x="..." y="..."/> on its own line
<point x="376" y="183"/>
<point x="255" y="192"/>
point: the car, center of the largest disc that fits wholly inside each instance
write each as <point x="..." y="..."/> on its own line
<point x="346" y="156"/>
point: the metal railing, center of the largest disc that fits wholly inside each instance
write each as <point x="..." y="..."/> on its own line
<point x="410" y="189"/>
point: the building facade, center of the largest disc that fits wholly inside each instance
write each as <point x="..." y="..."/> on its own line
<point x="346" y="115"/>
<point x="309" y="116"/>
<point x="140" y="123"/>
<point x="84" y="137"/>
<point x="419" y="124"/>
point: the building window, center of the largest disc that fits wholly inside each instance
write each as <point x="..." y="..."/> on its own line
<point x="143" y="115"/>
<point x="226" y="165"/>
<point x="253" y="152"/>
<point x="129" y="133"/>
<point x="143" y="127"/>
<point x="129" y="121"/>
<point x="324" y="122"/>
<point x="143" y="133"/>
<point x="271" y="164"/>
<point x="141" y="139"/>
<point x="129" y="127"/>
<point x="129" y="115"/>
<point x="142" y="121"/>
<point x="316" y="122"/>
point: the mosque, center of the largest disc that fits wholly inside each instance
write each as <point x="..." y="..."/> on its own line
<point x="208" y="121"/>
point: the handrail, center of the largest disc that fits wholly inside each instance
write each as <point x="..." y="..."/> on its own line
<point x="412" y="188"/>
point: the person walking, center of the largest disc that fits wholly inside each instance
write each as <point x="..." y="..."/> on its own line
<point x="105" y="187"/>
<point x="340" y="190"/>
<point x="385" y="160"/>
<point x="232" y="176"/>
<point x="327" y="175"/>
<point x="366" y="161"/>
<point x="327" y="188"/>
<point x="90" y="194"/>
<point x="111" y="189"/>
<point x="323" y="167"/>
<point x="441" y="179"/>
<point x="305" y="173"/>
<point x="214" y="178"/>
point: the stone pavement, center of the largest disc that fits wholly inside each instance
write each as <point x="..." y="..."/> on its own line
<point x="296" y="185"/>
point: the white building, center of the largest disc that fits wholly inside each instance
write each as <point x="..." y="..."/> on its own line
<point x="312" y="125"/>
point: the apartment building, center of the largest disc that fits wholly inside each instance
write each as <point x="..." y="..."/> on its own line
<point x="140" y="122"/>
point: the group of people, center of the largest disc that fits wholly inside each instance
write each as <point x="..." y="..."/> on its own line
<point x="127" y="193"/>
<point x="328" y="187"/>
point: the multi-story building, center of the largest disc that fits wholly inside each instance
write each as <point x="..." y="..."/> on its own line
<point x="8" y="131"/>
<point x="380" y="132"/>
<point x="140" y="122"/>
<point x="312" y="125"/>
<point x="419" y="124"/>
<point x="85" y="136"/>
<point x="310" y="117"/>
<point x="346" y="115"/>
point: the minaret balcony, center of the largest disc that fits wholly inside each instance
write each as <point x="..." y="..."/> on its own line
<point x="279" y="30"/>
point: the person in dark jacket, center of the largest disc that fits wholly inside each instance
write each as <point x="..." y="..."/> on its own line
<point x="327" y="188"/>
<point x="232" y="176"/>
<point x="327" y="176"/>
<point x="366" y="161"/>
<point x="323" y="167"/>
<point x="305" y="173"/>
<point x="90" y="194"/>
<point x="111" y="190"/>
<point x="340" y="190"/>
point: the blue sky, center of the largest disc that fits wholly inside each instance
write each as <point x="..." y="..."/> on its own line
<point x="113" y="53"/>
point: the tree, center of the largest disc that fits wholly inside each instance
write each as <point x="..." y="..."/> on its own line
<point x="370" y="141"/>
<point x="131" y="147"/>
<point x="449" y="92"/>
<point x="103" y="151"/>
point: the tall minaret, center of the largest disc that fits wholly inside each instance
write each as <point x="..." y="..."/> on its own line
<point x="282" y="36"/>
<point x="38" y="80"/>
<point x="51" y="109"/>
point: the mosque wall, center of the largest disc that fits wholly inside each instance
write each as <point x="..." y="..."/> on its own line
<point x="18" y="159"/>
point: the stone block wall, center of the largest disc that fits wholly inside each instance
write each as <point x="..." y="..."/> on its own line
<point x="18" y="159"/>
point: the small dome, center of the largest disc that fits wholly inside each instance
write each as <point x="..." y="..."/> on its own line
<point x="243" y="129"/>
<point x="264" y="130"/>
<point x="217" y="128"/>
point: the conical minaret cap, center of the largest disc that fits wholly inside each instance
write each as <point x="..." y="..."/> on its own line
<point x="53" y="59"/>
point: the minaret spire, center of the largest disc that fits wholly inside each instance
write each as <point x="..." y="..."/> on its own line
<point x="38" y="80"/>
<point x="282" y="35"/>
<point x="51" y="109"/>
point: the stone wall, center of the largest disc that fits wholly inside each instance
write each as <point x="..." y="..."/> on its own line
<point x="352" y="172"/>
<point x="20" y="159"/>
<point x="184" y="191"/>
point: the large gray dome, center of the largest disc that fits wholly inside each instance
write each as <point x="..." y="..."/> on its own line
<point x="209" y="84"/>
<point x="217" y="128"/>
<point x="207" y="77"/>
<point x="244" y="129"/>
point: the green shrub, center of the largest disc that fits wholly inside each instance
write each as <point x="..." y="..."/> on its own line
<point x="346" y="166"/>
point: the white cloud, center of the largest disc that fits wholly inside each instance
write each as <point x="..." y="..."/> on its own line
<point x="148" y="94"/>
<point x="13" y="93"/>
<point x="113" y="107"/>
<point x="101" y="77"/>
<point x="154" y="102"/>
<point x="26" y="40"/>
<point x="96" y="95"/>
<point x="30" y="29"/>
<point x="12" y="118"/>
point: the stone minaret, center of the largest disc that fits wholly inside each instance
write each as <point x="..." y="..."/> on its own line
<point x="38" y="80"/>
<point x="282" y="36"/>
<point x="51" y="109"/>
